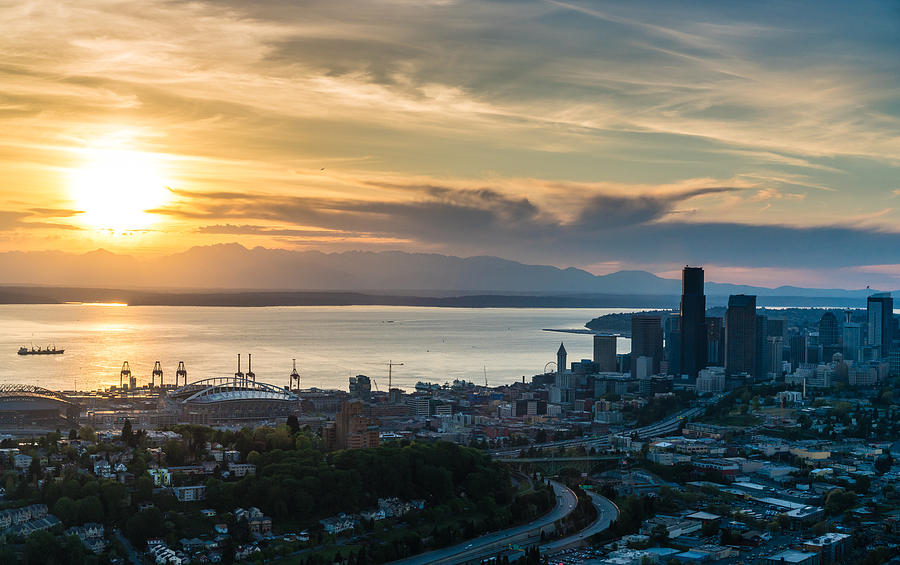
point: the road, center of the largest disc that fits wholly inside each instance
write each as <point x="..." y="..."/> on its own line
<point x="489" y="545"/>
<point x="607" y="512"/>
<point x="669" y="425"/>
<point x="597" y="442"/>
<point x="551" y="459"/>
<point x="132" y="554"/>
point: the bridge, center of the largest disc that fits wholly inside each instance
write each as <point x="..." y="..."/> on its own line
<point x="552" y="465"/>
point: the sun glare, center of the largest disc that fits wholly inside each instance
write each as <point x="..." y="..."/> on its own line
<point x="115" y="188"/>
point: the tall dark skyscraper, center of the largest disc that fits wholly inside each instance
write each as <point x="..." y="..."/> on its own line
<point x="672" y="333"/>
<point x="775" y="328"/>
<point x="715" y="342"/>
<point x="605" y="353"/>
<point x="740" y="335"/>
<point x="799" y="350"/>
<point x="881" y="322"/>
<point x="829" y="335"/>
<point x="693" y="322"/>
<point x="762" y="346"/>
<point x="646" y="340"/>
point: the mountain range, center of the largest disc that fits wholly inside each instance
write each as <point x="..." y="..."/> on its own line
<point x="232" y="267"/>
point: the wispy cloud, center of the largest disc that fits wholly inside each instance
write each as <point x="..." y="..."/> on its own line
<point x="540" y="120"/>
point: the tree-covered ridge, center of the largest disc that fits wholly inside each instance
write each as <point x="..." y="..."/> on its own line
<point x="304" y="485"/>
<point x="297" y="483"/>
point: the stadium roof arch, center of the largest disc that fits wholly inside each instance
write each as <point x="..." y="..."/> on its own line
<point x="11" y="391"/>
<point x="225" y="389"/>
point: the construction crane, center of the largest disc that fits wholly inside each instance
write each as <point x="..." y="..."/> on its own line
<point x="181" y="372"/>
<point x="157" y="372"/>
<point x="124" y="374"/>
<point x="390" y="366"/>
<point x="295" y="376"/>
<point x="485" y="375"/>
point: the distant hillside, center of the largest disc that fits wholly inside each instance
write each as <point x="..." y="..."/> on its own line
<point x="230" y="267"/>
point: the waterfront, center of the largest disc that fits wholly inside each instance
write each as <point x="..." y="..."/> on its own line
<point x="329" y="343"/>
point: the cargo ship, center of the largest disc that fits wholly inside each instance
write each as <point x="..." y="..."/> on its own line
<point x="52" y="350"/>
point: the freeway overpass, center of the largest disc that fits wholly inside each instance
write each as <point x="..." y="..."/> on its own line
<point x="669" y="425"/>
<point x="553" y="465"/>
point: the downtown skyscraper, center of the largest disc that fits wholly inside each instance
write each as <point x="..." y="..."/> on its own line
<point x="646" y="341"/>
<point x="880" y="318"/>
<point x="694" y="335"/>
<point x="740" y="335"/>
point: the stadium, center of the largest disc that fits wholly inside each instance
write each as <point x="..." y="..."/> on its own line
<point x="231" y="400"/>
<point x="26" y="406"/>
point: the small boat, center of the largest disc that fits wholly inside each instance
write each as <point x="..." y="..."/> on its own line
<point x="52" y="350"/>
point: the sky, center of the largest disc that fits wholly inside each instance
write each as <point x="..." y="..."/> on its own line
<point x="758" y="139"/>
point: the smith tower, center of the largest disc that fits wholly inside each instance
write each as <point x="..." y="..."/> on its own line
<point x="694" y="335"/>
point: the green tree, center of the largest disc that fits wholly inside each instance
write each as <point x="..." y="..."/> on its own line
<point x="293" y="423"/>
<point x="838" y="501"/>
<point x="87" y="433"/>
<point x="659" y="535"/>
<point x="34" y="469"/>
<point x="883" y="463"/>
<point x="143" y="490"/>
<point x="710" y="528"/>
<point x="66" y="510"/>
<point x="175" y="452"/>
<point x="820" y="528"/>
<point x="127" y="432"/>
<point x="144" y="525"/>
<point x="862" y="484"/>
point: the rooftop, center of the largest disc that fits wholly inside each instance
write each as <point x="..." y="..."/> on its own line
<point x="791" y="556"/>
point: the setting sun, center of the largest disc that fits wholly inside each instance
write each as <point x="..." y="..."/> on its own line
<point x="115" y="188"/>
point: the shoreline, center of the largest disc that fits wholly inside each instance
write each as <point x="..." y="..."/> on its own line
<point x="11" y="295"/>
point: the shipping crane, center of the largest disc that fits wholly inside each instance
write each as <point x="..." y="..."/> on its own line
<point x="251" y="376"/>
<point x="238" y="376"/>
<point x="295" y="376"/>
<point x="124" y="374"/>
<point x="157" y="372"/>
<point x="181" y="372"/>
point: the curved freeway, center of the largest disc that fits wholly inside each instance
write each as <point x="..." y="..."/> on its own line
<point x="607" y="513"/>
<point x="490" y="544"/>
<point x="669" y="425"/>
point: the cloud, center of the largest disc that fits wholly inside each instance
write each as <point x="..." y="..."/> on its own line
<point x="607" y="228"/>
<point x="545" y="130"/>
<point x="14" y="220"/>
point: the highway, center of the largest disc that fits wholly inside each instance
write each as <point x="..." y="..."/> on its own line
<point x="607" y="512"/>
<point x="599" y="442"/>
<point x="490" y="544"/>
<point x="552" y="459"/>
<point x="669" y="425"/>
